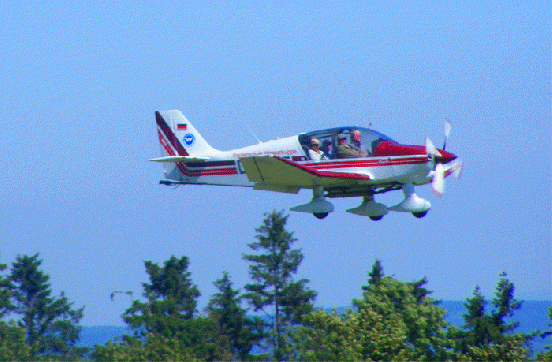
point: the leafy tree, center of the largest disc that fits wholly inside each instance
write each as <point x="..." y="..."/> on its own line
<point x="233" y="330"/>
<point x="170" y="298"/>
<point x="394" y="320"/>
<point x="352" y="336"/>
<point x="189" y="343"/>
<point x="13" y="346"/>
<point x="274" y="287"/>
<point x="51" y="324"/>
<point x="421" y="315"/>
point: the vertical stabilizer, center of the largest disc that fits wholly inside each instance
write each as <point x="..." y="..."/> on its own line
<point x="178" y="137"/>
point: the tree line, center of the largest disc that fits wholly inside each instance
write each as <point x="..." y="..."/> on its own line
<point x="392" y="320"/>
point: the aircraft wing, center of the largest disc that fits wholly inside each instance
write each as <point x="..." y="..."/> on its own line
<point x="278" y="174"/>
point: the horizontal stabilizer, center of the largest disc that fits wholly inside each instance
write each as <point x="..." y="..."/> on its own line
<point x="177" y="159"/>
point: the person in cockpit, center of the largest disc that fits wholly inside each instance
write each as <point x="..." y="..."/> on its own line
<point x="314" y="152"/>
<point x="345" y="150"/>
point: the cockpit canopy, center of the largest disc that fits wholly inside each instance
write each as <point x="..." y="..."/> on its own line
<point x="370" y="139"/>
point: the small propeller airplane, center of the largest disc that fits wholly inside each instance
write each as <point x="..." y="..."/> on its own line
<point x="287" y="165"/>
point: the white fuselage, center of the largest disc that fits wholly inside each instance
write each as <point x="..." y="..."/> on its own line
<point x="224" y="167"/>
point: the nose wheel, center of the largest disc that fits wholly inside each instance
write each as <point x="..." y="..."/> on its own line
<point x="320" y="215"/>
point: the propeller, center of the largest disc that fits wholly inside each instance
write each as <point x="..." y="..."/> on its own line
<point x="447" y="128"/>
<point x="441" y="170"/>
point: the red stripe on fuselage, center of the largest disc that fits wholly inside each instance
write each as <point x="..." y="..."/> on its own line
<point x="195" y="173"/>
<point x="380" y="162"/>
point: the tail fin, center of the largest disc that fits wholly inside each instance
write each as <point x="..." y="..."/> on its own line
<point x="178" y="137"/>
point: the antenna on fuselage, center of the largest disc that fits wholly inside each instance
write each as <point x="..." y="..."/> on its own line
<point x="254" y="135"/>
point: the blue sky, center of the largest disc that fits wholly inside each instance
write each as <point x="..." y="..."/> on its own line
<point x="81" y="82"/>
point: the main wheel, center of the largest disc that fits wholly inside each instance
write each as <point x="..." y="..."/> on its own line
<point x="419" y="215"/>
<point x="320" y="215"/>
<point x="376" y="218"/>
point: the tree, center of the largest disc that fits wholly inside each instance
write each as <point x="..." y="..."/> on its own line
<point x="394" y="320"/>
<point x="375" y="275"/>
<point x="5" y="293"/>
<point x="13" y="346"/>
<point x="233" y="330"/>
<point x="51" y="324"/>
<point x="170" y="297"/>
<point x="547" y="354"/>
<point x="488" y="335"/>
<point x="274" y="287"/>
<point x="165" y="324"/>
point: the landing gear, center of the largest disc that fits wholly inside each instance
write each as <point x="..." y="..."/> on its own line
<point x="320" y="215"/>
<point x="412" y="203"/>
<point x="318" y="206"/>
<point x="370" y="208"/>
<point x="419" y="215"/>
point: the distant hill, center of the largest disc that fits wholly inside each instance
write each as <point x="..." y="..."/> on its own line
<point x="532" y="316"/>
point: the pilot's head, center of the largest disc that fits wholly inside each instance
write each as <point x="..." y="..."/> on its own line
<point x="341" y="138"/>
<point x="315" y="143"/>
<point x="355" y="135"/>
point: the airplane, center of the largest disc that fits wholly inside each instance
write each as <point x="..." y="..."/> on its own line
<point x="284" y="165"/>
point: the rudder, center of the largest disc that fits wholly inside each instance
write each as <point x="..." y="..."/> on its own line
<point x="178" y="137"/>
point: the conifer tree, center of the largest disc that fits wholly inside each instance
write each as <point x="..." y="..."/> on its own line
<point x="274" y="287"/>
<point x="170" y="296"/>
<point x="5" y="292"/>
<point x="488" y="335"/>
<point x="375" y="275"/>
<point x="51" y="324"/>
<point x="230" y="322"/>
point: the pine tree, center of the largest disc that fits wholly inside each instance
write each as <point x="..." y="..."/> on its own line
<point x="51" y="324"/>
<point x="231" y="324"/>
<point x="170" y="297"/>
<point x="5" y="292"/>
<point x="375" y="275"/>
<point x="488" y="335"/>
<point x="272" y="272"/>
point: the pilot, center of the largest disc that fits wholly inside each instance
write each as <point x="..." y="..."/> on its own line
<point x="314" y="152"/>
<point x="355" y="138"/>
<point x="344" y="150"/>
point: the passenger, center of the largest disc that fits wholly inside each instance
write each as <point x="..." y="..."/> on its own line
<point x="314" y="152"/>
<point x="326" y="147"/>
<point x="345" y="150"/>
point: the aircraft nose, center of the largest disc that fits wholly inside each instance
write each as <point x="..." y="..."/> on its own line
<point x="446" y="157"/>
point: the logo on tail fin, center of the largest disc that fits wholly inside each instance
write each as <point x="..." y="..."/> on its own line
<point x="189" y="139"/>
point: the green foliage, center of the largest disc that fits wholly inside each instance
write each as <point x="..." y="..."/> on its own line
<point x="51" y="324"/>
<point x="362" y="335"/>
<point x="171" y="298"/>
<point x="5" y="293"/>
<point x="394" y="321"/>
<point x="272" y="272"/>
<point x="13" y="346"/>
<point x="233" y="331"/>
<point x="487" y="336"/>
<point x="547" y="355"/>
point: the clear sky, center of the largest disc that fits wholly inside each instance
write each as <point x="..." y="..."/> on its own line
<point x="80" y="82"/>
